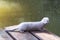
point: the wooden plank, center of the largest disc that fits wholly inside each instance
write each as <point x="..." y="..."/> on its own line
<point x="4" y="36"/>
<point x="1" y="38"/>
<point x="23" y="36"/>
<point x="46" y="36"/>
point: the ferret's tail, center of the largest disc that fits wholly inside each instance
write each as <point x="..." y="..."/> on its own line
<point x="11" y="28"/>
<point x="45" y="20"/>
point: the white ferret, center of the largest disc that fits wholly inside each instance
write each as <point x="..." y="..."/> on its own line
<point x="30" y="25"/>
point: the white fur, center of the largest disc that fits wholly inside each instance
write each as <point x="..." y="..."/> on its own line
<point x="31" y="25"/>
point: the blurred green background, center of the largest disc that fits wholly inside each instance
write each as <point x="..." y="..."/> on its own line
<point x="12" y="12"/>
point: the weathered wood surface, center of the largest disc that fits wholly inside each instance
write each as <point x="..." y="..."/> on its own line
<point x="28" y="36"/>
<point x="16" y="36"/>
<point x="31" y="35"/>
<point x="46" y="36"/>
<point x="4" y="36"/>
<point x="23" y="36"/>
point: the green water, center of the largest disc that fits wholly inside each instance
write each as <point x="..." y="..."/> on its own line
<point x="31" y="10"/>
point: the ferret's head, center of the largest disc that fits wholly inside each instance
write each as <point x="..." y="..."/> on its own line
<point x="45" y="20"/>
